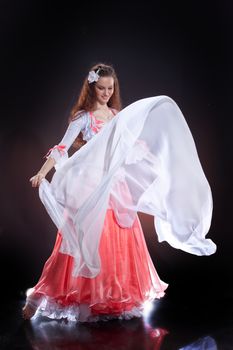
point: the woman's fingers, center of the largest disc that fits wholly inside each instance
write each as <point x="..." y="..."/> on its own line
<point x="36" y="180"/>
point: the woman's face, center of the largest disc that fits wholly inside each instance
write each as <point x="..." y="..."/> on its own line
<point x="104" y="89"/>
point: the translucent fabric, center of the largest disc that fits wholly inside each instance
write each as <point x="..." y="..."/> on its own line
<point x="143" y="160"/>
<point x="126" y="281"/>
<point x="205" y="343"/>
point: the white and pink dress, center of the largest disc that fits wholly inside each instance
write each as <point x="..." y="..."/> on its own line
<point x="127" y="277"/>
<point x="143" y="160"/>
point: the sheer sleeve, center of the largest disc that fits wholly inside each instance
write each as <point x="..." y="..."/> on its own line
<point x="60" y="152"/>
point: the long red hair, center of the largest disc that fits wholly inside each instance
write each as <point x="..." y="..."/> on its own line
<point x="87" y="97"/>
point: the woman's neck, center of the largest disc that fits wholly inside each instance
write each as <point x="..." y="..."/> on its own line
<point x="100" y="107"/>
<point x="102" y="111"/>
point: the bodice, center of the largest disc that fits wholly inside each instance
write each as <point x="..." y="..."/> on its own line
<point x="91" y="125"/>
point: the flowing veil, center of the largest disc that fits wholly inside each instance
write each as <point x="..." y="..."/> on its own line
<point x="143" y="160"/>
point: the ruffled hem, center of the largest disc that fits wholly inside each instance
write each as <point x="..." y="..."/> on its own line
<point x="126" y="281"/>
<point x="82" y="312"/>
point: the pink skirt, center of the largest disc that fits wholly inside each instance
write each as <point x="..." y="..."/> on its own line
<point x="126" y="281"/>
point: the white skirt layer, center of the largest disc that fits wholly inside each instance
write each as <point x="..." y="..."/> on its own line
<point x="143" y="160"/>
<point x="49" y="307"/>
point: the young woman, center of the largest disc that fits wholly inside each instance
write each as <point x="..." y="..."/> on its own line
<point x="139" y="159"/>
<point x="127" y="277"/>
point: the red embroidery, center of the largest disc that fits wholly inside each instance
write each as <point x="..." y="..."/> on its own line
<point x="60" y="148"/>
<point x="96" y="124"/>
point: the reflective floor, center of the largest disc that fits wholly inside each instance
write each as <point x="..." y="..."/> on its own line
<point x="167" y="324"/>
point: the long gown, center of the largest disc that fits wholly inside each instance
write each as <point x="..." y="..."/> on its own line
<point x="127" y="277"/>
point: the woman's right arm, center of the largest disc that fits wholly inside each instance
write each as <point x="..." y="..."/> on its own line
<point x="59" y="152"/>
<point x="46" y="167"/>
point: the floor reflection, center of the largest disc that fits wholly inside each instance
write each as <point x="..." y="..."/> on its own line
<point x="168" y="326"/>
<point x="48" y="334"/>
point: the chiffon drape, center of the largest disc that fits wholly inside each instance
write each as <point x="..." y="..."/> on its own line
<point x="143" y="160"/>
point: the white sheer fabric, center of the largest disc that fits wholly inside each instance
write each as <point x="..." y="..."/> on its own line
<point x="60" y="156"/>
<point x="143" y="160"/>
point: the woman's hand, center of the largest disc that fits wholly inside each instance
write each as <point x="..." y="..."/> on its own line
<point x="47" y="166"/>
<point x="36" y="179"/>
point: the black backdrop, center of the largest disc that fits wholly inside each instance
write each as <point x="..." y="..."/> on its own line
<point x="176" y="49"/>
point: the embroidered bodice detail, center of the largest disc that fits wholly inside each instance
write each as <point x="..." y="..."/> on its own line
<point x="96" y="124"/>
<point x="92" y="125"/>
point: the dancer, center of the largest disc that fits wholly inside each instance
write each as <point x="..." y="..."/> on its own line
<point x="139" y="159"/>
<point x="127" y="277"/>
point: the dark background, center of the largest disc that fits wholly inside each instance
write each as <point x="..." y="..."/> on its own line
<point x="183" y="50"/>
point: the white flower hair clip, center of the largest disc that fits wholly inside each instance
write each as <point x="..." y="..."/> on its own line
<point x="93" y="76"/>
